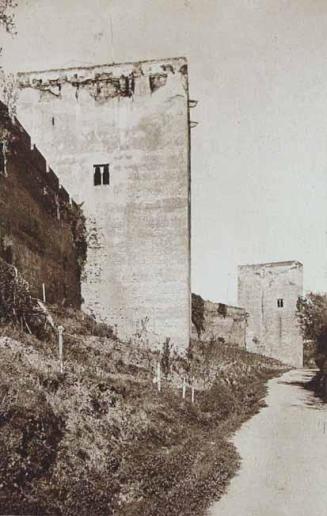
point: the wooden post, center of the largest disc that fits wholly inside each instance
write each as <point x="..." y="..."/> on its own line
<point x="60" y="342"/>
<point x="43" y="292"/>
<point x="159" y="377"/>
<point x="193" y="389"/>
<point x="184" y="389"/>
<point x="58" y="206"/>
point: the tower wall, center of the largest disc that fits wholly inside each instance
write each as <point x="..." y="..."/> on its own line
<point x="135" y="118"/>
<point x="272" y="329"/>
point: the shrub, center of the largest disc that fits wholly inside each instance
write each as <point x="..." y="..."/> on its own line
<point x="165" y="357"/>
<point x="198" y="313"/>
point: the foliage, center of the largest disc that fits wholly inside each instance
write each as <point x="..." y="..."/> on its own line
<point x="79" y="235"/>
<point x="16" y="303"/>
<point x="312" y="316"/>
<point x="99" y="439"/>
<point x="198" y="313"/>
<point x="7" y="16"/>
<point x="8" y="89"/>
<point x="165" y="357"/>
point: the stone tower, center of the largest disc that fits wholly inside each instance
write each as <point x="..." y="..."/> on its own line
<point x="269" y="294"/>
<point x="119" y="138"/>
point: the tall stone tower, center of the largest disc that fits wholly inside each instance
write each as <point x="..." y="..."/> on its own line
<point x="269" y="293"/>
<point x="118" y="137"/>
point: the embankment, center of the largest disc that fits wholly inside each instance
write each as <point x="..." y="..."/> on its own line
<point x="99" y="439"/>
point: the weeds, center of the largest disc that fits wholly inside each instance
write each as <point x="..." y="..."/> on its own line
<point x="99" y="439"/>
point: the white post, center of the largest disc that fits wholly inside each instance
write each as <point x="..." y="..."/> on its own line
<point x="193" y="389"/>
<point x="43" y="292"/>
<point x="159" y="376"/>
<point x="184" y="389"/>
<point x="60" y="342"/>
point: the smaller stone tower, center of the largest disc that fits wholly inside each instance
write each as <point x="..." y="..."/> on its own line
<point x="269" y="293"/>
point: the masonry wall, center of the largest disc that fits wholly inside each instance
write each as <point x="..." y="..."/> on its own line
<point x="223" y="322"/>
<point x="272" y="330"/>
<point x="135" y="118"/>
<point x="38" y="223"/>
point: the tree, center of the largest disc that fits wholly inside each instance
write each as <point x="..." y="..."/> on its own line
<point x="7" y="16"/>
<point x="7" y="82"/>
<point x="198" y="313"/>
<point x="312" y="316"/>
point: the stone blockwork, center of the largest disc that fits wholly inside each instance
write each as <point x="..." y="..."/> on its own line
<point x="126" y="128"/>
<point x="223" y="322"/>
<point x="40" y="227"/>
<point x="269" y="293"/>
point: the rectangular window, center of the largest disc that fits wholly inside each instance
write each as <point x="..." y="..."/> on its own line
<point x="280" y="303"/>
<point x="101" y="174"/>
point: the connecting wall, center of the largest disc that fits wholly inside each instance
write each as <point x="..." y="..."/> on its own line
<point x="41" y="229"/>
<point x="223" y="323"/>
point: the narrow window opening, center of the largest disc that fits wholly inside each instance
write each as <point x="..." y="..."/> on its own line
<point x="53" y="120"/>
<point x="280" y="303"/>
<point x="97" y="175"/>
<point x="106" y="175"/>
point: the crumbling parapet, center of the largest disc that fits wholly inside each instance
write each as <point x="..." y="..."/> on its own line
<point x="107" y="81"/>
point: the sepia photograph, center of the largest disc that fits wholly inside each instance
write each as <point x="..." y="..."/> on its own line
<point x="163" y="257"/>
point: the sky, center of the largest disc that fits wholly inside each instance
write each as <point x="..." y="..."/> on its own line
<point x="258" y="69"/>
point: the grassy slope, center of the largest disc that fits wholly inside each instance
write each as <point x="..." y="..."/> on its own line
<point x="100" y="440"/>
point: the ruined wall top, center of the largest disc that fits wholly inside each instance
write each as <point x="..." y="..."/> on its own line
<point x="225" y="310"/>
<point x="289" y="263"/>
<point x="120" y="77"/>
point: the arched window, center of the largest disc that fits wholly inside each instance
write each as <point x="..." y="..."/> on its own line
<point x="106" y="175"/>
<point x="97" y="175"/>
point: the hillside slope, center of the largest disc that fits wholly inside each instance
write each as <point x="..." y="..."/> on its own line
<point x="99" y="439"/>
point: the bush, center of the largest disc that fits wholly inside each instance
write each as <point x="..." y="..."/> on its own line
<point x="198" y="313"/>
<point x="16" y="303"/>
<point x="312" y="317"/>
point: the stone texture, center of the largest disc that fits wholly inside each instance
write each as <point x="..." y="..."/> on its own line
<point x="135" y="117"/>
<point x="272" y="330"/>
<point x="37" y="219"/>
<point x="223" y="322"/>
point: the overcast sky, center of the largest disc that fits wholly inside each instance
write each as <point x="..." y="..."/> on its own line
<point x="259" y="154"/>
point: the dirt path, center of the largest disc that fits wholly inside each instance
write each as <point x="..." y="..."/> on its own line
<point x="284" y="456"/>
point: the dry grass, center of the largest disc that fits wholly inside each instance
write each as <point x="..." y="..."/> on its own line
<point x="100" y="440"/>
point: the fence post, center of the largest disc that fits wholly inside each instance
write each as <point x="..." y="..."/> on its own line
<point x="43" y="292"/>
<point x="159" y="377"/>
<point x="193" y="389"/>
<point x="60" y="342"/>
<point x="184" y="388"/>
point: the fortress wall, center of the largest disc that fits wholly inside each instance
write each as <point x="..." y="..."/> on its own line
<point x="38" y="221"/>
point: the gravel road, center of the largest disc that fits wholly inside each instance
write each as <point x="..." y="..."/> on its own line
<point x="284" y="456"/>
